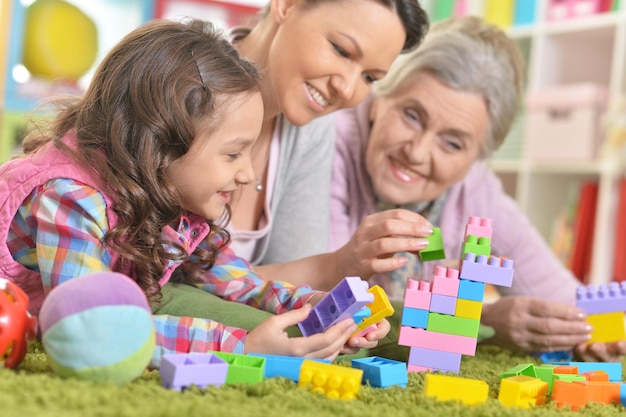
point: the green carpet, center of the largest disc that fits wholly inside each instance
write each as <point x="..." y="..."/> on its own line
<point x="33" y="390"/>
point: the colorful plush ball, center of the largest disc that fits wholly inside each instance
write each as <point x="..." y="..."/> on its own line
<point x="60" y="40"/>
<point x="17" y="326"/>
<point x="98" y="327"/>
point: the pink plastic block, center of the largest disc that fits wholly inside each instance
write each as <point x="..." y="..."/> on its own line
<point x="496" y="271"/>
<point x="344" y="301"/>
<point x="443" y="304"/>
<point x="425" y="339"/>
<point x="416" y="368"/>
<point x="479" y="227"/>
<point x="603" y="298"/>
<point x="367" y="330"/>
<point x="417" y="294"/>
<point x="446" y="281"/>
<point x="435" y="359"/>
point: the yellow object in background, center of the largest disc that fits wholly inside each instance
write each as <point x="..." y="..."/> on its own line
<point x="60" y="40"/>
<point x="607" y="327"/>
<point x="499" y="12"/>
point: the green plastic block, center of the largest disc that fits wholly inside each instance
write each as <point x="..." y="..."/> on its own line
<point x="476" y="246"/>
<point x="546" y="374"/>
<point x="243" y="368"/>
<point x="434" y="250"/>
<point x="526" y="369"/>
<point x="460" y="326"/>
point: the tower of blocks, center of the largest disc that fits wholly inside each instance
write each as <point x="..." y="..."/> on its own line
<point x="441" y="318"/>
<point x="604" y="305"/>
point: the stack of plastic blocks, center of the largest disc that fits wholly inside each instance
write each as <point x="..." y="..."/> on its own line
<point x="604" y="306"/>
<point x="440" y="320"/>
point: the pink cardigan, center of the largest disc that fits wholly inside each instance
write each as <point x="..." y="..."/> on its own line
<point x="537" y="271"/>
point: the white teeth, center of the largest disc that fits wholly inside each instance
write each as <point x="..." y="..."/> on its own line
<point x="406" y="171"/>
<point x="319" y="99"/>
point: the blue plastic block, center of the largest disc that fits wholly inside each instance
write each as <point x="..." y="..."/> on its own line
<point x="414" y="317"/>
<point x="381" y="372"/>
<point x="471" y="290"/>
<point x="285" y="366"/>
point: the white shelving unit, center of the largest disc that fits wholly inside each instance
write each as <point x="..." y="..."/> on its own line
<point x="583" y="49"/>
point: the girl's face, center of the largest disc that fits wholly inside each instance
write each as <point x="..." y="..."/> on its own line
<point x="424" y="139"/>
<point x="218" y="161"/>
<point x="326" y="57"/>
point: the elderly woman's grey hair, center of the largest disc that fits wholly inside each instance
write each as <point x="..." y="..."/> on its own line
<point x="469" y="55"/>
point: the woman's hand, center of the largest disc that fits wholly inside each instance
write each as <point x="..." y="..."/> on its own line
<point x="378" y="238"/>
<point x="601" y="352"/>
<point x="270" y="337"/>
<point x="531" y="324"/>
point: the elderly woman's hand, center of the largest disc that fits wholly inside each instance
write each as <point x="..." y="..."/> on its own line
<point x="378" y="238"/>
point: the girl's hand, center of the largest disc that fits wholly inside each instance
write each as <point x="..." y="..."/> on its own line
<point x="270" y="337"/>
<point x="379" y="236"/>
<point x="369" y="341"/>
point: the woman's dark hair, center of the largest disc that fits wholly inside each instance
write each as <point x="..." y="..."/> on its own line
<point x="136" y="117"/>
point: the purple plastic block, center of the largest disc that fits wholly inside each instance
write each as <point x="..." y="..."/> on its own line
<point x="597" y="299"/>
<point x="344" y="301"/>
<point x="492" y="270"/>
<point x="435" y="359"/>
<point x="200" y="369"/>
<point x="443" y="304"/>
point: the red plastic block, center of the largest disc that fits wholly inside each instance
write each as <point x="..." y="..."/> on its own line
<point x="417" y="294"/>
<point x="446" y="281"/>
<point x="425" y="339"/>
<point x="495" y="271"/>
<point x="478" y="226"/>
<point x="596" y="299"/>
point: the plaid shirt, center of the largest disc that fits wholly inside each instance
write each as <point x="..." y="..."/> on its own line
<point x="59" y="232"/>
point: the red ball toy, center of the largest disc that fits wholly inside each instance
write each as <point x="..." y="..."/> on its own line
<point x="17" y="326"/>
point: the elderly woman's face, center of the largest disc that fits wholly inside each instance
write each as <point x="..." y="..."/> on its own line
<point x="424" y="139"/>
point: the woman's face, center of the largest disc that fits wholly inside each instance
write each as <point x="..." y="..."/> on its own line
<point x="424" y="139"/>
<point x="326" y="57"/>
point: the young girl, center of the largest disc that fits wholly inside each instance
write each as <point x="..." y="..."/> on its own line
<point x="136" y="177"/>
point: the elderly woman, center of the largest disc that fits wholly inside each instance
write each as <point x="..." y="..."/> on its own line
<point x="411" y="157"/>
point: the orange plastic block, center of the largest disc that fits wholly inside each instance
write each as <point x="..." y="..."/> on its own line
<point x="379" y="308"/>
<point x="566" y="369"/>
<point x="522" y="391"/>
<point x="332" y="380"/>
<point x="602" y="392"/>
<point x="596" y="376"/>
<point x="453" y="388"/>
<point x="569" y="393"/>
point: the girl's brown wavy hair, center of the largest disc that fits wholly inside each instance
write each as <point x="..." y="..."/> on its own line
<point x="135" y="118"/>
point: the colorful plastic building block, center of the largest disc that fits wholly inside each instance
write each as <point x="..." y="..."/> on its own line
<point x="434" y="250"/>
<point x="478" y="226"/>
<point x="522" y="391"/>
<point x="284" y="366"/>
<point x="200" y="369"/>
<point x="417" y="294"/>
<point x="421" y="338"/>
<point x="442" y="304"/>
<point x="443" y="323"/>
<point x="344" y="301"/>
<point x="469" y="309"/>
<point x="332" y="380"/>
<point x="447" y="388"/>
<point x="613" y="369"/>
<point x="596" y="299"/>
<point x="568" y="393"/>
<point x="523" y="369"/>
<point x="493" y="270"/>
<point x="381" y="372"/>
<point x="434" y="360"/>
<point x="607" y="327"/>
<point x="445" y="281"/>
<point x="243" y="368"/>
<point x="414" y="317"/>
<point x="471" y="290"/>
<point x="379" y="308"/>
<point x="17" y="326"/>
<point x="476" y="245"/>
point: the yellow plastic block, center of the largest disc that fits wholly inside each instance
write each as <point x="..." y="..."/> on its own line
<point x="468" y="309"/>
<point x="522" y="391"/>
<point x="379" y="308"/>
<point x="450" y="388"/>
<point x="332" y="380"/>
<point x="607" y="327"/>
<point x="499" y="12"/>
